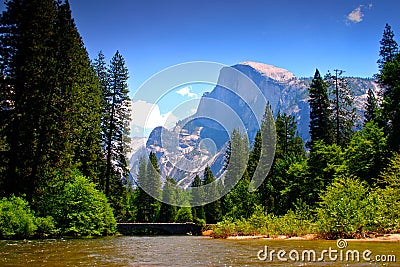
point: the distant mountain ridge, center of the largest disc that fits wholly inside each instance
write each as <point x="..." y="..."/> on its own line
<point x="284" y="92"/>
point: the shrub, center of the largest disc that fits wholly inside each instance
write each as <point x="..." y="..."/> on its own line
<point x="16" y="218"/>
<point x="45" y="227"/>
<point x="345" y="208"/>
<point x="184" y="215"/>
<point x="78" y="208"/>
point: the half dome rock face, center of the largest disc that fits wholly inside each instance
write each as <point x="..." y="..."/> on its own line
<point x="275" y="73"/>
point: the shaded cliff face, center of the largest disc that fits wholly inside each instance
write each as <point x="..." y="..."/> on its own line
<point x="201" y="140"/>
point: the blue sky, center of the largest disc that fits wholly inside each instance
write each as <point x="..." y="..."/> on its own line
<point x="296" y="35"/>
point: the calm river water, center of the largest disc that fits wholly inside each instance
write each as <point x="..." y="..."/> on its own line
<point x="189" y="251"/>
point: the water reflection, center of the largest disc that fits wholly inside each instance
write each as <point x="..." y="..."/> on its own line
<point x="170" y="251"/>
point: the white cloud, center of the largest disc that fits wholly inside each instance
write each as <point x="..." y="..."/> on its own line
<point x="148" y="116"/>
<point x="356" y="15"/>
<point x="187" y="91"/>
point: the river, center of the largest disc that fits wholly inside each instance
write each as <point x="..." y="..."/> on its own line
<point x="191" y="251"/>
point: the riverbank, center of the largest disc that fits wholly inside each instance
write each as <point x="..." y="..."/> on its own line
<point x="376" y="238"/>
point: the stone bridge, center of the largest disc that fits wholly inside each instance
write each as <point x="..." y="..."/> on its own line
<point x="167" y="228"/>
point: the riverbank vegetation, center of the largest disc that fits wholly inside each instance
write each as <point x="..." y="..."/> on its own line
<point x="64" y="136"/>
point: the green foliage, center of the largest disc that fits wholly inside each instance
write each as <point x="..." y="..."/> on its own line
<point x="343" y="113"/>
<point x="167" y="211"/>
<point x="371" y="108"/>
<point x="213" y="210"/>
<point x="387" y="216"/>
<point x="240" y="202"/>
<point x="345" y="207"/>
<point x="261" y="223"/>
<point x="389" y="79"/>
<point x="46" y="227"/>
<point x="16" y="218"/>
<point x="288" y="140"/>
<point x="366" y="153"/>
<point x="238" y="158"/>
<point x="149" y="187"/>
<point x="287" y="182"/>
<point x="324" y="163"/>
<point x="55" y="119"/>
<point x="389" y="47"/>
<point x="198" y="210"/>
<point x="184" y="215"/>
<point x="320" y="127"/>
<point x="78" y="208"/>
<point x="391" y="175"/>
<point x="389" y="197"/>
<point x="116" y="117"/>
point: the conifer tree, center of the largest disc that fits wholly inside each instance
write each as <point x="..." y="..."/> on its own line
<point x="168" y="211"/>
<point x="198" y="211"/>
<point x="389" y="47"/>
<point x="288" y="140"/>
<point x="149" y="189"/>
<point x="81" y="107"/>
<point x="343" y="115"/>
<point x="371" y="107"/>
<point x="101" y="69"/>
<point x="389" y="78"/>
<point x="213" y="210"/>
<point x="238" y="157"/>
<point x="319" y="110"/>
<point x="143" y="200"/>
<point x="255" y="153"/>
<point x="116" y="121"/>
<point x="239" y="202"/>
<point x="262" y="157"/>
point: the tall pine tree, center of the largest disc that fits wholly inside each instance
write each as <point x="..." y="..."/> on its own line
<point x="149" y="190"/>
<point x="198" y="211"/>
<point x="116" y="121"/>
<point x="389" y="78"/>
<point x="288" y="139"/>
<point x="319" y="110"/>
<point x="343" y="115"/>
<point x="371" y="107"/>
<point x="213" y="210"/>
<point x="389" y="48"/>
<point x="168" y="210"/>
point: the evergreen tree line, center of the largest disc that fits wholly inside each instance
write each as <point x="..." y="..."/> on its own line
<point x="63" y="117"/>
